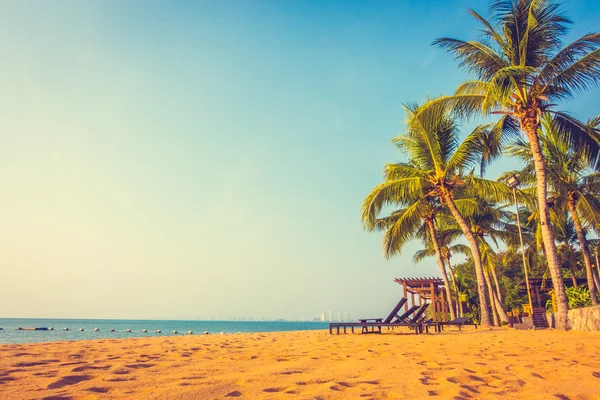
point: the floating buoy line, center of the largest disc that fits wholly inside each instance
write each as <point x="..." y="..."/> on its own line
<point x="174" y="332"/>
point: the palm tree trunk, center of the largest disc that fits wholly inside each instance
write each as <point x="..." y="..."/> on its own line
<point x="459" y="307"/>
<point x="493" y="303"/>
<point x="572" y="269"/>
<point x="531" y="126"/>
<point x="481" y="288"/>
<point x="595" y="272"/>
<point x="585" y="249"/>
<point x="498" y="292"/>
<point x="447" y="258"/>
<point x="500" y="309"/>
<point x="496" y="298"/>
<point x="438" y="253"/>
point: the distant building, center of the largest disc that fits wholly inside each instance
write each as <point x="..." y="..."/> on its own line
<point x="323" y="316"/>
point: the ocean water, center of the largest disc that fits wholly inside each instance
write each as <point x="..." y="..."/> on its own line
<point x="10" y="334"/>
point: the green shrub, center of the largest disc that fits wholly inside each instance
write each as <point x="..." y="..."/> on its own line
<point x="578" y="297"/>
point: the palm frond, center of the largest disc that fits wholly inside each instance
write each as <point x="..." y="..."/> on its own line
<point x="402" y="230"/>
<point x="579" y="76"/>
<point x="489" y="190"/>
<point x="475" y="57"/>
<point x="566" y="57"/>
<point x="391" y="192"/>
<point x="584" y="138"/>
<point x="588" y="208"/>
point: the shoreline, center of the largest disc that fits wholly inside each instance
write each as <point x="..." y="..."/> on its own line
<point x="474" y="363"/>
<point x="97" y="329"/>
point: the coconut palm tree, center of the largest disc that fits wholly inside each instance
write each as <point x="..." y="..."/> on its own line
<point x="520" y="70"/>
<point x="488" y="223"/>
<point x="416" y="219"/>
<point x="573" y="185"/>
<point x="445" y="248"/>
<point x="437" y="169"/>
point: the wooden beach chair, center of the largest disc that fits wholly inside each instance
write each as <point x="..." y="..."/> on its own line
<point x="417" y="316"/>
<point x="389" y="317"/>
<point x="460" y="322"/>
<point x="393" y="313"/>
<point x="403" y="317"/>
<point x="377" y="323"/>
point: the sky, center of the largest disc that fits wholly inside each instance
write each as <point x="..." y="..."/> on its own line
<point x="197" y="159"/>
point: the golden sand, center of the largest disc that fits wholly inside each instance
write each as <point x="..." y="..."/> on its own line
<point x="479" y="364"/>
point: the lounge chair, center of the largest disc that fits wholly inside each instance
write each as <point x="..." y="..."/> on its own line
<point x="370" y="321"/>
<point x="417" y="316"/>
<point x="376" y="323"/>
<point x="389" y="317"/>
<point x="460" y="322"/>
<point x="403" y="317"/>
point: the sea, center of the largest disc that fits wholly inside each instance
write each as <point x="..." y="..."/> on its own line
<point x="87" y="329"/>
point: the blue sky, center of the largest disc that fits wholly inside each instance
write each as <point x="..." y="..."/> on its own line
<point x="191" y="159"/>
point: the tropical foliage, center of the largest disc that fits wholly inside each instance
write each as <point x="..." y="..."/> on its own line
<point x="521" y="70"/>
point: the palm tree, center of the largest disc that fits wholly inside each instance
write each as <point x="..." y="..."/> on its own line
<point x="520" y="69"/>
<point x="403" y="225"/>
<point x="488" y="222"/>
<point x="437" y="170"/>
<point x="445" y="248"/>
<point x="572" y="184"/>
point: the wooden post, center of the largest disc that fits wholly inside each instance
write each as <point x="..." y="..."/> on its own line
<point x="406" y="296"/>
<point x="444" y="308"/>
<point x="433" y="311"/>
<point x="412" y="296"/>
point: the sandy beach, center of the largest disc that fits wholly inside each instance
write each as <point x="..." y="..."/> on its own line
<point x="499" y="363"/>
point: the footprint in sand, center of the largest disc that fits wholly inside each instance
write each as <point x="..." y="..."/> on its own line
<point x="139" y="365"/>
<point x="122" y="379"/>
<point x="98" y="389"/>
<point x="34" y="363"/>
<point x="536" y="375"/>
<point x="86" y="367"/>
<point x="71" y="363"/>
<point x="47" y="374"/>
<point x="290" y="372"/>
<point x="235" y="393"/>
<point x="68" y="380"/>
<point x="273" y="390"/>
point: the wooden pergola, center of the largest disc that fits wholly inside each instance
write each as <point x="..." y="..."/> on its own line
<point x="429" y="290"/>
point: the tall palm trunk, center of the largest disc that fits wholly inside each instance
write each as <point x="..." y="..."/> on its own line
<point x="488" y="282"/>
<point x="572" y="269"/>
<point x="447" y="259"/>
<point x="481" y="287"/>
<point x="498" y="291"/>
<point x="583" y="244"/>
<point x="438" y="253"/>
<point x="595" y="272"/>
<point x="530" y="125"/>
<point x="496" y="297"/>
<point x="457" y="293"/>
